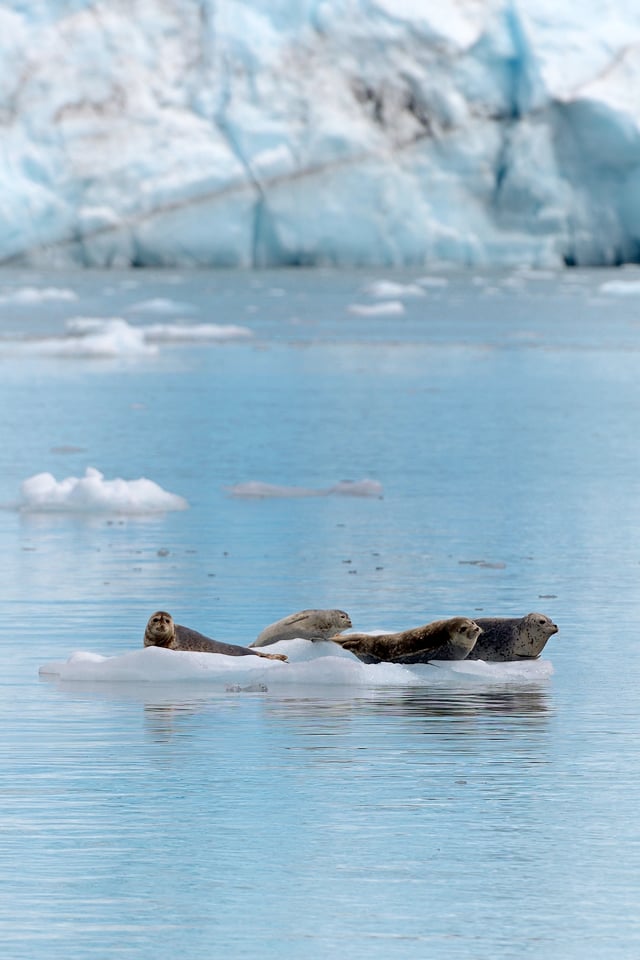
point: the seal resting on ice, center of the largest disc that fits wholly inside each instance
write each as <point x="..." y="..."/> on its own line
<point x="161" y="631"/>
<point x="457" y="636"/>
<point x="513" y="638"/>
<point x="308" y="624"/>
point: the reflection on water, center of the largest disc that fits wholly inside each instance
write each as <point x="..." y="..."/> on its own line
<point x="418" y="702"/>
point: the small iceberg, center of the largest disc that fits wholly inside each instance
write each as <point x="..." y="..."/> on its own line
<point x="621" y="288"/>
<point x="390" y="289"/>
<point x="113" y="337"/>
<point x="42" y="493"/>
<point x="161" y="305"/>
<point x="389" y="308"/>
<point x="194" y="332"/>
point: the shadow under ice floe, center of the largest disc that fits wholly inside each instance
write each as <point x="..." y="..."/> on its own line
<point x="310" y="663"/>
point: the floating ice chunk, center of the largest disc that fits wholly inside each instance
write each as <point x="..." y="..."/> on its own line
<point x="257" y="489"/>
<point x="114" y="337"/>
<point x="42" y="493"/>
<point x="176" y="333"/>
<point x="388" y="289"/>
<point x="86" y="337"/>
<point x="310" y="663"/>
<point x="91" y="337"/>
<point x="31" y="296"/>
<point x="377" y="309"/>
<point x="357" y="488"/>
<point x="621" y="288"/>
<point x="161" y="305"/>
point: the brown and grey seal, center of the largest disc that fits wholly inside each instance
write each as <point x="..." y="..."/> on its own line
<point x="513" y="638"/>
<point x="456" y="636"/>
<point x="308" y="624"/>
<point x="161" y="631"/>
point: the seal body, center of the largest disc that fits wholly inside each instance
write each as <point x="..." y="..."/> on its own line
<point x="308" y="624"/>
<point x="513" y="638"/>
<point x="457" y="635"/>
<point x="161" y="631"/>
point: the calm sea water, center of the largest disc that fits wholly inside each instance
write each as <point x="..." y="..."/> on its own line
<point x="139" y="820"/>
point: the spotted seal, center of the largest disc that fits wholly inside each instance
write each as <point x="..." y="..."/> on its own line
<point x="161" y="631"/>
<point x="513" y="638"/>
<point x="456" y="636"/>
<point x="308" y="624"/>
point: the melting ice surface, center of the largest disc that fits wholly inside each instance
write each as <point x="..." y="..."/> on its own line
<point x="309" y="664"/>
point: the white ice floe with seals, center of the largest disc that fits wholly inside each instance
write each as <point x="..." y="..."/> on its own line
<point x="311" y="663"/>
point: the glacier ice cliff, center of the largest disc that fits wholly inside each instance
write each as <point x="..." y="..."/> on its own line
<point x="347" y="132"/>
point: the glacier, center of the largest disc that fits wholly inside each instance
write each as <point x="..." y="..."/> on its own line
<point x="247" y="133"/>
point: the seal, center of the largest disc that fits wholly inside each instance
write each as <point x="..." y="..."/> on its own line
<point x="161" y="631"/>
<point x="456" y="637"/>
<point x="308" y="624"/>
<point x="513" y="638"/>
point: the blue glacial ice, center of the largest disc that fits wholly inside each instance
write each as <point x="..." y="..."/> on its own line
<point x="341" y="132"/>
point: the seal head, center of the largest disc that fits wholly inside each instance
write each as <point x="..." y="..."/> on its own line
<point x="160" y="630"/>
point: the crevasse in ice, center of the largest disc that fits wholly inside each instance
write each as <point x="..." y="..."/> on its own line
<point x="347" y="132"/>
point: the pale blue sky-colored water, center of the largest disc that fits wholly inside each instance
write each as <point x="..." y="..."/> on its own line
<point x="473" y="818"/>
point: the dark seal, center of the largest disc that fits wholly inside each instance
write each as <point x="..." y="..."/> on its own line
<point x="308" y="624"/>
<point x="456" y="636"/>
<point x="161" y="631"/>
<point x="512" y="638"/>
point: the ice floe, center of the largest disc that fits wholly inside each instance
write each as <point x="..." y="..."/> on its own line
<point x="310" y="663"/>
<point x="85" y="337"/>
<point x="621" y="288"/>
<point x="114" y="337"/>
<point x="161" y="305"/>
<point x="31" y="296"/>
<point x="42" y="493"/>
<point x="387" y="309"/>
<point x="257" y="489"/>
<point x="195" y="332"/>
<point x="391" y="289"/>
